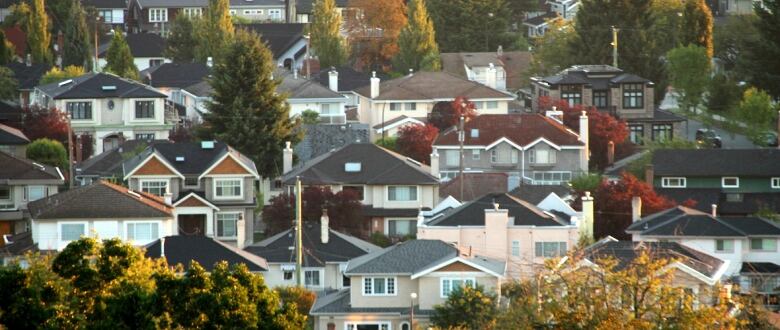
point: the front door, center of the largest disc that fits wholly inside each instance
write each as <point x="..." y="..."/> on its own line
<point x="6" y="228"/>
<point x="192" y="224"/>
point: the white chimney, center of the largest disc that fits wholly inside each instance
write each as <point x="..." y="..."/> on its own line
<point x="240" y="231"/>
<point x="28" y="60"/>
<point x="210" y="61"/>
<point x="287" y="159"/>
<point x="490" y="76"/>
<point x="636" y="208"/>
<point x="585" y="152"/>
<point x="162" y="246"/>
<point x="324" y="227"/>
<point x="333" y="80"/>
<point x="374" y="85"/>
<point x="714" y="210"/>
<point x="435" y="163"/>
<point x="168" y="198"/>
<point x="586" y="225"/>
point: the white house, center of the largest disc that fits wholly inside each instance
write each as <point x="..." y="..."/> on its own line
<point x="306" y="94"/>
<point x="147" y="50"/>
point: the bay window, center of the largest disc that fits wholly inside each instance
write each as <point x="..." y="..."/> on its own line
<point x="228" y="188"/>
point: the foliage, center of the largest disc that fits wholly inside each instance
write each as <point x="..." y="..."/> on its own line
<point x="310" y="117"/>
<point x="181" y="39"/>
<point x="756" y="108"/>
<point x="119" y="60"/>
<point x="8" y="84"/>
<point x="389" y="143"/>
<point x="380" y="240"/>
<point x="374" y="33"/>
<point x="723" y="94"/>
<point x="586" y="182"/>
<point x="417" y="48"/>
<point x="689" y="72"/>
<point x="471" y="25"/>
<point x="183" y="134"/>
<point x="552" y="50"/>
<point x="697" y="26"/>
<point x="245" y="111"/>
<point x="447" y="114"/>
<point x="40" y="122"/>
<point x="302" y="298"/>
<point x="733" y="39"/>
<point x="760" y="63"/>
<point x="467" y="308"/>
<point x="214" y="31"/>
<point x="35" y="23"/>
<point x="57" y="75"/>
<point x="7" y="53"/>
<point x="77" y="47"/>
<point x="343" y="207"/>
<point x="416" y="141"/>
<point x="326" y="40"/>
<point x="49" y="152"/>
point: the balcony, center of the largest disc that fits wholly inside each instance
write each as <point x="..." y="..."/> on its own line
<point x="335" y="119"/>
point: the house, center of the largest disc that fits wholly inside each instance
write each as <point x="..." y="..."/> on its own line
<point x="181" y="82"/>
<point x="531" y="148"/>
<point x="475" y="185"/>
<point x="102" y="210"/>
<point x="391" y="187"/>
<point x="21" y="182"/>
<point x="387" y="106"/>
<point x="147" y="50"/>
<point x="306" y="94"/>
<point x="566" y="9"/>
<point x="109" y="108"/>
<point x="509" y="68"/>
<point x="607" y="88"/>
<point x="258" y="10"/>
<point x="13" y="141"/>
<point x="319" y="139"/>
<point x="538" y="25"/>
<point x="304" y="10"/>
<point x="505" y="228"/>
<point x="325" y="256"/>
<point x="107" y="166"/>
<point x="739" y="181"/>
<point x="345" y="80"/>
<point x="27" y="75"/>
<point x="210" y="184"/>
<point x="735" y="7"/>
<point x="413" y="276"/>
<point x="206" y="251"/>
<point x="111" y="12"/>
<point x="156" y="16"/>
<point x="748" y="243"/>
<point x="286" y="42"/>
<point x="5" y="8"/>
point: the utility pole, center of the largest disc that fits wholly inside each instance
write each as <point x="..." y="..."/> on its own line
<point x="298" y="231"/>
<point x="70" y="151"/>
<point x="614" y="46"/>
<point x="461" y="137"/>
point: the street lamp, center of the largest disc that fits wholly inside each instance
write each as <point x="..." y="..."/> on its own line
<point x="413" y="296"/>
<point x="487" y="33"/>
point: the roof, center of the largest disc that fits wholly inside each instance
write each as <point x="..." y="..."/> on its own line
<point x="535" y="194"/>
<point x="28" y="76"/>
<point x="99" y="85"/>
<point x="279" y="37"/>
<point x="515" y="63"/>
<point x="377" y="166"/>
<point x="201" y="89"/>
<point x="10" y="112"/>
<point x="118" y="4"/>
<point x="196" y="159"/>
<point x="660" y="116"/>
<point x="541" y="19"/>
<point x="521" y="212"/>
<point x="109" y="163"/>
<point x="90" y="202"/>
<point x="12" y="136"/>
<point x="760" y="268"/>
<point x="183" y="249"/>
<point x="141" y="44"/>
<point x="349" y="79"/>
<point x="340" y="247"/>
<point x="683" y="221"/>
<point x="716" y="162"/>
<point x="172" y="3"/>
<point x="426" y="85"/>
<point x="16" y="168"/>
<point x="176" y="75"/>
<point x="302" y="88"/>
<point x="338" y="302"/>
<point x="241" y="3"/>
<point x="598" y="76"/>
<point x="305" y="6"/>
<point x="475" y="185"/>
<point x="520" y="129"/>
<point x="750" y="203"/>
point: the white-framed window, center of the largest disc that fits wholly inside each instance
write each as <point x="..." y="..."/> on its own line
<point x="253" y="11"/>
<point x="142" y="231"/>
<point x="312" y="277"/>
<point x="550" y="249"/>
<point x="158" y="15"/>
<point x="228" y="188"/>
<point x="730" y="182"/>
<point x="775" y="183"/>
<point x="154" y="187"/>
<point x="379" y="286"/>
<point x="35" y="193"/>
<point x="401" y="227"/>
<point x="503" y="157"/>
<point x="401" y="193"/>
<point x="763" y="244"/>
<point x="410" y="106"/>
<point x="551" y="177"/>
<point x="275" y="14"/>
<point x="542" y="156"/>
<point x="453" y="157"/>
<point x="724" y="245"/>
<point x="227" y="223"/>
<point x="396" y="106"/>
<point x="448" y="284"/>
<point x="372" y="325"/>
<point x="475" y="154"/>
<point x="491" y="104"/>
<point x="516" y="248"/>
<point x="72" y="231"/>
<point x="192" y="12"/>
<point x="106" y="15"/>
<point x="673" y="182"/>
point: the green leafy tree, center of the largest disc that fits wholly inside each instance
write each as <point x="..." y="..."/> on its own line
<point x="668" y="18"/>
<point x="732" y="41"/>
<point x="761" y="65"/>
<point x="56" y="75"/>
<point x="310" y="117"/>
<point x="119" y="60"/>
<point x="34" y="296"/>
<point x="326" y="40"/>
<point x="466" y="308"/>
<point x="8" y="84"/>
<point x="697" y="25"/>
<point x="552" y="50"/>
<point x="417" y="48"/>
<point x="61" y="14"/>
<point x="49" y="152"/>
<point x="181" y="38"/>
<point x="37" y="29"/>
<point x="7" y="53"/>
<point x="723" y="94"/>
<point x="689" y="72"/>
<point x="246" y="112"/>
<point x="213" y="31"/>
<point x="389" y="143"/>
<point x="756" y="108"/>
<point x="471" y="25"/>
<point x="77" y="46"/>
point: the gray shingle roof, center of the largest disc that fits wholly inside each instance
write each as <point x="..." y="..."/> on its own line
<point x="172" y="3"/>
<point x="15" y="168"/>
<point x="717" y="162"/>
<point x="182" y="249"/>
<point x="141" y="45"/>
<point x="279" y="37"/>
<point x="109" y="163"/>
<point x="432" y="85"/>
<point x="302" y="88"/>
<point x="338" y="303"/>
<point x="99" y="85"/>
<point x="177" y="75"/>
<point x="196" y="158"/>
<point x="28" y="76"/>
<point x="683" y="221"/>
<point x="12" y="136"/>
<point x="349" y="79"/>
<point x="473" y="213"/>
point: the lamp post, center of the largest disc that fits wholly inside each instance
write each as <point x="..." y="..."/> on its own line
<point x="487" y="33"/>
<point x="413" y="296"/>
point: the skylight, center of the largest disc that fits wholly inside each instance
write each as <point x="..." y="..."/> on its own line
<point x="109" y="88"/>
<point x="352" y="167"/>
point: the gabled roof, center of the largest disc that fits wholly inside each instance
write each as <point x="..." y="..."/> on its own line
<point x="176" y="75"/>
<point x="183" y="249"/>
<point x="93" y="201"/>
<point x="28" y="76"/>
<point x="475" y="185"/>
<point x="519" y="129"/>
<point x="12" y="136"/>
<point x="340" y="247"/>
<point x="717" y="162"/>
<point x="683" y="221"/>
<point x="302" y="88"/>
<point x="98" y="86"/>
<point x="141" y="45"/>
<point x="535" y="194"/>
<point x="349" y="79"/>
<point x="279" y="37"/>
<point x="109" y="163"/>
<point x="515" y="64"/>
<point x="706" y="197"/>
<point x="16" y="169"/>
<point x="193" y="158"/>
<point x="377" y="166"/>
<point x="172" y="3"/>
<point x="426" y="85"/>
<point x="541" y="19"/>
<point x="115" y="4"/>
<point x="521" y="213"/>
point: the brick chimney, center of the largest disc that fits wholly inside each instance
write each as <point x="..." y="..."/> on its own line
<point x="649" y="174"/>
<point x="610" y="153"/>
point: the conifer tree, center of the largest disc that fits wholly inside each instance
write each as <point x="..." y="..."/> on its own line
<point x="761" y="63"/>
<point x="326" y="40"/>
<point x="179" y="45"/>
<point x="6" y="49"/>
<point x="417" y="42"/>
<point x="119" y="59"/>
<point x="77" y="45"/>
<point x="245" y="111"/>
<point x="697" y="25"/>
<point x="214" y="30"/>
<point x="38" y="36"/>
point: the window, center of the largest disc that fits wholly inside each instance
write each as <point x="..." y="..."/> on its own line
<point x="662" y="132"/>
<point x="724" y="245"/>
<point x="405" y="326"/>
<point x="734" y="198"/>
<point x="453" y="157"/>
<point x="358" y="190"/>
<point x="600" y="99"/>
<point x="158" y="15"/>
<point x="142" y="231"/>
<point x="379" y="286"/>
<point x="775" y="183"/>
<point x="228" y="188"/>
<point x="154" y="187"/>
<point x="35" y="193"/>
<point x="448" y="284"/>
<point x="503" y="157"/>
<point x="636" y="134"/>
<point x="490" y="105"/>
<point x="633" y="96"/>
<point x="516" y="248"/>
<point x="402" y="193"/>
<point x="192" y="12"/>
<point x="288" y="275"/>
<point x="226" y="224"/>
<point x="144" y="136"/>
<point x="275" y="14"/>
<point x="106" y="16"/>
<point x="572" y="94"/>
<point x="763" y="244"/>
<point x="155" y="62"/>
<point x="345" y="281"/>
<point x="371" y="325"/>
<point x="5" y="193"/>
<point x="401" y="227"/>
<point x="542" y="156"/>
<point x="72" y="231"/>
<point x="730" y="182"/>
<point x="253" y="12"/>
<point x="191" y="181"/>
<point x="144" y="109"/>
<point x="411" y="106"/>
<point x="551" y="177"/>
<point x="673" y="182"/>
<point x="475" y="154"/>
<point x="311" y="277"/>
<point x="396" y="106"/>
<point x="550" y="249"/>
<point x="79" y="110"/>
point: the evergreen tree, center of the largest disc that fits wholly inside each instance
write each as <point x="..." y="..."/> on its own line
<point x="179" y="45"/>
<point x="8" y="84"/>
<point x="6" y="50"/>
<point x="417" y="42"/>
<point x="38" y="36"/>
<point x="471" y="25"/>
<point x="61" y="12"/>
<point x="762" y="62"/>
<point x="119" y="60"/>
<point x="246" y="112"/>
<point x="697" y="25"/>
<point x="213" y="31"/>
<point x="77" y="45"/>
<point x="326" y="40"/>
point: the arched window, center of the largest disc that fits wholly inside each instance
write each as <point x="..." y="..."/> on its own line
<point x="405" y="326"/>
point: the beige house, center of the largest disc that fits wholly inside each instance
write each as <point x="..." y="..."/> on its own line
<point x="388" y="284"/>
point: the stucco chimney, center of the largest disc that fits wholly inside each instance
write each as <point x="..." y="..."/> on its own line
<point x="287" y="159"/>
<point x="374" y="85"/>
<point x="610" y="153"/>
<point x="162" y="246"/>
<point x="636" y="208"/>
<point x="411" y="72"/>
<point x="584" y="137"/>
<point x="586" y="224"/>
<point x="496" y="224"/>
<point x="324" y="227"/>
<point x="490" y="76"/>
<point x="435" y="163"/>
<point x="168" y="198"/>
<point x="333" y="80"/>
<point x="649" y="174"/>
<point x="240" y="231"/>
<point x="714" y="210"/>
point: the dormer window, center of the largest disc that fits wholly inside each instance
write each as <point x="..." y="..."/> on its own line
<point x="352" y="167"/>
<point x="474" y="132"/>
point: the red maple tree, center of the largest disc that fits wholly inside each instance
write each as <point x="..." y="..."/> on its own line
<point x="344" y="210"/>
<point x="416" y="141"/>
<point x="447" y="114"/>
<point x="38" y="122"/>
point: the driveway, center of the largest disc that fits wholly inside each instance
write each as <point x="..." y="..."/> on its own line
<point x="729" y="140"/>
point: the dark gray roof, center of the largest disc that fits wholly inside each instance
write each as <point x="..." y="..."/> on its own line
<point x="717" y="162"/>
<point x="16" y="168"/>
<point x="759" y="268"/>
<point x="751" y="203"/>
<point x="278" y="36"/>
<point x="183" y="249"/>
<point x="10" y="113"/>
<point x="99" y="85"/>
<point x="541" y="19"/>
<point x="473" y="213"/>
<point x="109" y="163"/>
<point x="599" y="77"/>
<point x="172" y="3"/>
<point x="201" y="89"/>
<point x="425" y="85"/>
<point x="12" y="136"/>
<point x="28" y="76"/>
<point x="683" y="221"/>
<point x="535" y="194"/>
<point x="176" y="75"/>
<point x="660" y="116"/>
<point x="302" y="88"/>
<point x="349" y="78"/>
<point x="196" y="158"/>
<point x="321" y="139"/>
<point x="19" y="245"/>
<point x="371" y="211"/>
<point x="91" y="202"/>
<point x="339" y="303"/>
<point x="141" y="45"/>
<point x="378" y="166"/>
<point x="116" y="4"/>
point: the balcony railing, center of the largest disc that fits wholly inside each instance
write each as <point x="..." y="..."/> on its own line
<point x="336" y="119"/>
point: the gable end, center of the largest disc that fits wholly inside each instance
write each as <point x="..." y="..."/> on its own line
<point x="154" y="167"/>
<point x="228" y="166"/>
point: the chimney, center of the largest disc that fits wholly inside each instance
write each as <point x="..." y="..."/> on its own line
<point x="496" y="228"/>
<point x="490" y="76"/>
<point x="295" y="73"/>
<point x="610" y="153"/>
<point x="210" y="61"/>
<point x="240" y="231"/>
<point x="162" y="247"/>
<point x="374" y="85"/>
<point x="636" y="208"/>
<point x="435" y="163"/>
<point x="649" y="174"/>
<point x="168" y="198"/>
<point x="28" y="60"/>
<point x="714" y="210"/>
<point x="584" y="137"/>
<point x="333" y="80"/>
<point x="586" y="224"/>
<point x="500" y="51"/>
<point x="287" y="159"/>
<point x="324" y="226"/>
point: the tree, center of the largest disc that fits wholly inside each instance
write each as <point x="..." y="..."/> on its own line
<point x="302" y="298"/>
<point x="57" y="75"/>
<point x="40" y="123"/>
<point x="471" y="25"/>
<point x="343" y="207"/>
<point x="77" y="47"/>
<point x="49" y="152"/>
<point x="689" y="72"/>
<point x="732" y="42"/>
<point x="552" y="51"/>
<point x="756" y="108"/>
<point x="447" y="114"/>
<point x="60" y="12"/>
<point x="697" y="26"/>
<point x="214" y="31"/>
<point x="8" y="84"/>
<point x="415" y="141"/>
<point x="374" y="33"/>
<point x="7" y="53"/>
<point x="417" y="48"/>
<point x="245" y="111"/>
<point x="37" y="29"/>
<point x="389" y="143"/>
<point x="326" y="40"/>
<point x="180" y="41"/>
<point x="761" y="66"/>
<point x="119" y="60"/>
<point x="723" y="94"/>
<point x="466" y="308"/>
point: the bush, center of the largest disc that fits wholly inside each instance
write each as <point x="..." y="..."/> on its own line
<point x="49" y="152"/>
<point x="380" y="240"/>
<point x="389" y="143"/>
<point x="586" y="182"/>
<point x="723" y="94"/>
<point x="310" y="117"/>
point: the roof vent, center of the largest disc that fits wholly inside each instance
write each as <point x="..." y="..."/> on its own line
<point x="179" y="158"/>
<point x="69" y="81"/>
<point x="109" y="88"/>
<point x="475" y="132"/>
<point x="207" y="144"/>
<point x="352" y="167"/>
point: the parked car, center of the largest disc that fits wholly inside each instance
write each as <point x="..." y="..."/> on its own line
<point x="769" y="139"/>
<point x="706" y="137"/>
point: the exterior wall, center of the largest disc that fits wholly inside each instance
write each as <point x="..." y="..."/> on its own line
<point x="142" y="63"/>
<point x="430" y="286"/>
<point x="746" y="184"/>
<point x="259" y="13"/>
<point x="427" y="196"/>
<point x="47" y="237"/>
<point x="298" y="106"/>
<point x="395" y="321"/>
<point x="330" y="278"/>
